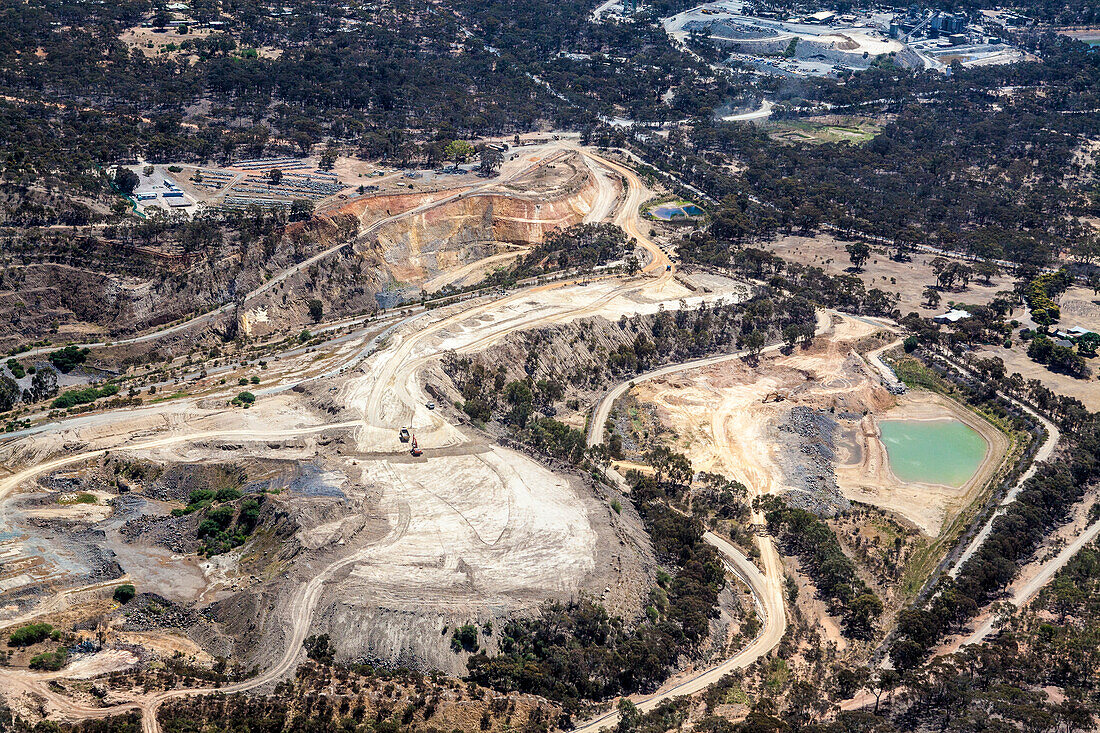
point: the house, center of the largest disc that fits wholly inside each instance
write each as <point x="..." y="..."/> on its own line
<point x="1073" y="333"/>
<point x="952" y="316"/>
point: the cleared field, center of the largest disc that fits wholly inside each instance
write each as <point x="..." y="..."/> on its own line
<point x="907" y="279"/>
<point x="854" y="130"/>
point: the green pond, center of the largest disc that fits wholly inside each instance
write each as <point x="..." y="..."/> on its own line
<point x="933" y="451"/>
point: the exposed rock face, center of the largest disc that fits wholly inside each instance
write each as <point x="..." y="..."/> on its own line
<point x="91" y="301"/>
<point x="398" y="257"/>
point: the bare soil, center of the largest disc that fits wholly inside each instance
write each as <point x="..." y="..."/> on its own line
<point x="907" y="279"/>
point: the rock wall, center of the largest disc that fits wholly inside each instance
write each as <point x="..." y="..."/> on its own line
<point x="80" y="302"/>
<point x="414" y="249"/>
<point x="830" y="48"/>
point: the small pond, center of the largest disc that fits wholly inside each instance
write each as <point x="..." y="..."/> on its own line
<point x="669" y="212"/>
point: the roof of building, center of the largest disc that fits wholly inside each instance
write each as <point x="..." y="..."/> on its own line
<point x="952" y="315"/>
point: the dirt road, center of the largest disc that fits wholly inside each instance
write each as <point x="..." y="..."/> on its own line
<point x="1029" y="590"/>
<point x="1046" y="450"/>
<point x="627" y="216"/>
<point x="767" y="591"/>
<point x="602" y="409"/>
<point x="766" y="587"/>
<point x="529" y="164"/>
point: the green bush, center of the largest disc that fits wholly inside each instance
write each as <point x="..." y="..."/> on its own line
<point x="50" y="661"/>
<point x="83" y="396"/>
<point x="227" y="493"/>
<point x="30" y="634"/>
<point x="244" y="398"/>
<point x="464" y="638"/>
<point x="125" y="593"/>
<point x="67" y="359"/>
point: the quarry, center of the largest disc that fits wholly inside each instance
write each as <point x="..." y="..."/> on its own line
<point x="772" y="41"/>
<point x="805" y="426"/>
<point x="351" y="497"/>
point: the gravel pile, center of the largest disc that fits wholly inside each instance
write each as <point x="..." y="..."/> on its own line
<point x="177" y="534"/>
<point x="61" y="484"/>
<point x="149" y="611"/>
<point x="809" y="463"/>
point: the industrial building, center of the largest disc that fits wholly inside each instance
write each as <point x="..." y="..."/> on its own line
<point x="932" y="25"/>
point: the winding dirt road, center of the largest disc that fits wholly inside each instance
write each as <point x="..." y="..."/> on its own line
<point x="529" y="164"/>
<point x="767" y="592"/>
<point x="602" y="409"/>
<point x="766" y="587"/>
<point x="1027" y="592"/>
<point x="1046" y="450"/>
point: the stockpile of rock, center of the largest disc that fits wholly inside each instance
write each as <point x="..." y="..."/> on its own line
<point x="809" y="462"/>
<point x="150" y="611"/>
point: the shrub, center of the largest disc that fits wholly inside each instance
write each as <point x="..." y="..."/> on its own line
<point x="83" y="396"/>
<point x="228" y="493"/>
<point x="464" y="638"/>
<point x="50" y="661"/>
<point x="319" y="648"/>
<point x="30" y="634"/>
<point x="67" y="359"/>
<point x="124" y="593"/>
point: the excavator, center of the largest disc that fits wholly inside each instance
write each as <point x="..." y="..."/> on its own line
<point x="774" y="397"/>
<point x="415" y="448"/>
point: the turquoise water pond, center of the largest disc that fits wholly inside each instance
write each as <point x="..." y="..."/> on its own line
<point x="933" y="451"/>
<point x="668" y="212"/>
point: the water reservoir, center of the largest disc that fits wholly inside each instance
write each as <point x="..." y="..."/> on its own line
<point x="944" y="452"/>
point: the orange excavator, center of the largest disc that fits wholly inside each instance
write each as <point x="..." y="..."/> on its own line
<point x="415" y="447"/>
